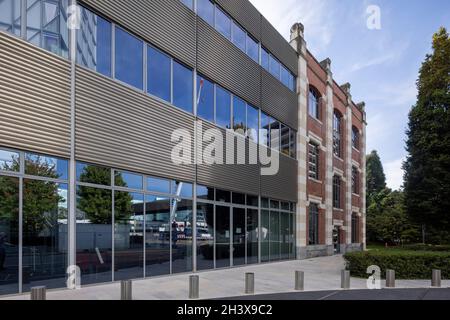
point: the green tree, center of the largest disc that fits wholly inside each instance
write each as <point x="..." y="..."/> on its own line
<point x="387" y="220"/>
<point x="427" y="168"/>
<point x="376" y="179"/>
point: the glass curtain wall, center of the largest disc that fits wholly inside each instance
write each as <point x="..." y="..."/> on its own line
<point x="148" y="232"/>
<point x="47" y="25"/>
<point x="128" y="226"/>
<point x="277" y="230"/>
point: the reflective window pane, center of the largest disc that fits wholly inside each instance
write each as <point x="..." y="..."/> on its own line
<point x="205" y="99"/>
<point x="264" y="134"/>
<point x="274" y="204"/>
<point x="9" y="235"/>
<point x="264" y="203"/>
<point x="239" y="114"/>
<point x="223" y="23"/>
<point x="129" y="59"/>
<point x="265" y="59"/>
<point x="205" y="9"/>
<point x="274" y="236"/>
<point x="158" y="73"/>
<point x="252" y="236"/>
<point x="239" y="36"/>
<point x="128" y="235"/>
<point x="44" y="166"/>
<point x="284" y="140"/>
<point x="253" y="49"/>
<point x="10" y="16"/>
<point x="239" y="236"/>
<point x="223" y="108"/>
<point x="128" y="180"/>
<point x="252" y="123"/>
<point x="293" y="144"/>
<point x="252" y="201"/>
<point x="182" y="189"/>
<point x="188" y="3"/>
<point x="238" y="198"/>
<point x="223" y="237"/>
<point x="158" y="185"/>
<point x="205" y="236"/>
<point x="285" y="75"/>
<point x="285" y="206"/>
<point x="292" y="82"/>
<point x="94" y="234"/>
<point x="157" y="236"/>
<point x="205" y="193"/>
<point x="223" y="196"/>
<point x="9" y="161"/>
<point x="284" y="235"/>
<point x="94" y="43"/>
<point x="274" y="67"/>
<point x="45" y="230"/>
<point x="265" y="229"/>
<point x="181" y="224"/>
<point x="274" y="134"/>
<point x="47" y="25"/>
<point x="87" y="173"/>
<point x="182" y="87"/>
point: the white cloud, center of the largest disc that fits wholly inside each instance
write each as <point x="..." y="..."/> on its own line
<point x="315" y="15"/>
<point x="394" y="174"/>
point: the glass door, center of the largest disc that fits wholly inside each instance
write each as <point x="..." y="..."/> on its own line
<point x="239" y="236"/>
<point x="223" y="237"/>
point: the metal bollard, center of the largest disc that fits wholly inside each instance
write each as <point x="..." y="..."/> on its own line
<point x="390" y="279"/>
<point x="299" y="280"/>
<point x="436" y="279"/>
<point x="194" y="287"/>
<point x="345" y="279"/>
<point x="249" y="283"/>
<point x="126" y="290"/>
<point x="39" y="293"/>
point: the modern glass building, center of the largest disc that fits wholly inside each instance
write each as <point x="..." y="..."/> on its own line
<point x="87" y="116"/>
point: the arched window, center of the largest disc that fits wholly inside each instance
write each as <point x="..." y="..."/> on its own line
<point x="314" y="103"/>
<point x="355" y="138"/>
<point x="337" y="134"/>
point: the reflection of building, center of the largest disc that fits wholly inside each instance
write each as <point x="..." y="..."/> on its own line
<point x="130" y="211"/>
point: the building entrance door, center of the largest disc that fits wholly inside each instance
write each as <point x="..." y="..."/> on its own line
<point x="239" y="235"/>
<point x="337" y="240"/>
<point x="223" y="237"/>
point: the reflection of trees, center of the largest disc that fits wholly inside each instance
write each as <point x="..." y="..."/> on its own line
<point x="9" y="200"/>
<point x="40" y="198"/>
<point x="97" y="203"/>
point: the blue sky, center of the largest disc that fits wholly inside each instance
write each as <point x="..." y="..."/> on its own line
<point x="382" y="65"/>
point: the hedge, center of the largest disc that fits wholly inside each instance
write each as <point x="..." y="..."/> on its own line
<point x="408" y="265"/>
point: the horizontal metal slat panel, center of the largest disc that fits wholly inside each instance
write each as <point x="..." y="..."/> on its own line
<point x="120" y="127"/>
<point x="227" y="65"/>
<point x="279" y="101"/>
<point x="282" y="186"/>
<point x="278" y="46"/>
<point x="167" y="24"/>
<point x="34" y="98"/>
<point x="245" y="14"/>
<point x="239" y="178"/>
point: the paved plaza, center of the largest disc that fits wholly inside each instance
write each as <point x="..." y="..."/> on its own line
<point x="321" y="274"/>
